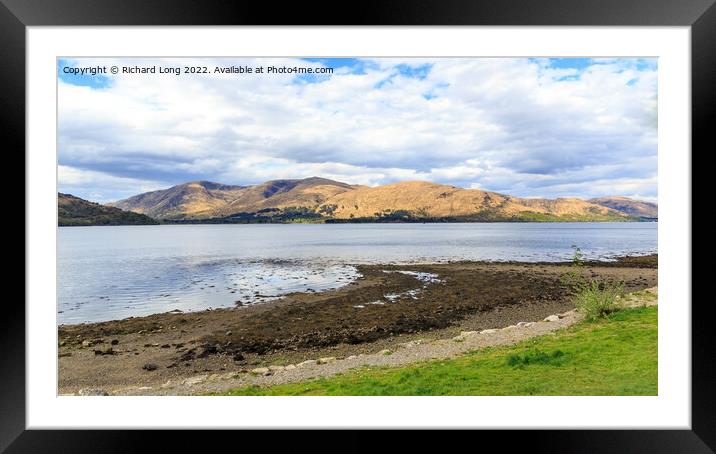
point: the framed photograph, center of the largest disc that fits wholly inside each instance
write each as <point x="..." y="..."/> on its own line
<point x="466" y="215"/>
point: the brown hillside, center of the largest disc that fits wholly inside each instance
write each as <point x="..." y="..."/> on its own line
<point x="182" y="201"/>
<point x="203" y="199"/>
<point x="434" y="200"/>
<point x="320" y="198"/>
<point x="308" y="193"/>
<point x="629" y="206"/>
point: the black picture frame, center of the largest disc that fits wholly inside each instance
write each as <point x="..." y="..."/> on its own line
<point x="700" y="15"/>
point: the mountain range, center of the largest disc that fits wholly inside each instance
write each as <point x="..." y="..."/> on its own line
<point x="322" y="200"/>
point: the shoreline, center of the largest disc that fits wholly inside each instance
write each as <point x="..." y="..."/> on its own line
<point x="412" y="353"/>
<point x="632" y="260"/>
<point x="471" y="296"/>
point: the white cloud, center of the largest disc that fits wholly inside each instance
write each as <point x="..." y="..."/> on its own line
<point x="102" y="187"/>
<point x="518" y="126"/>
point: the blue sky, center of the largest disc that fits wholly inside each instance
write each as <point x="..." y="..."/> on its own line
<point x="96" y="81"/>
<point x="531" y="127"/>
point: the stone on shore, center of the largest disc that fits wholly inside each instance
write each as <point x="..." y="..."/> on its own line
<point x="93" y="392"/>
<point x="464" y="335"/>
<point x="191" y="381"/>
<point x="261" y="371"/>
<point x="552" y="318"/>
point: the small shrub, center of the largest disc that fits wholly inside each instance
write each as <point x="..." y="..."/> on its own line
<point x="597" y="299"/>
<point x="578" y="256"/>
<point x="574" y="276"/>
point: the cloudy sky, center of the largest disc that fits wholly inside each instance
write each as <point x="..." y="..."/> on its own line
<point x="530" y="127"/>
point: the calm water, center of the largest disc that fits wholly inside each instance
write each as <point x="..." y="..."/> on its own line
<point x="107" y="273"/>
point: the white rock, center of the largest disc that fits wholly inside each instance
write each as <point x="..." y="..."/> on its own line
<point x="276" y="368"/>
<point x="93" y="392"/>
<point x="552" y="318"/>
<point x="261" y="370"/>
<point x="385" y="352"/>
<point x="488" y="331"/>
<point x="308" y="362"/>
<point x="326" y="360"/>
<point x="468" y="333"/>
<point x="290" y="367"/>
<point x="191" y="381"/>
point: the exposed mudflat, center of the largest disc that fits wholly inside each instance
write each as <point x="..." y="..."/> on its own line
<point x="389" y="305"/>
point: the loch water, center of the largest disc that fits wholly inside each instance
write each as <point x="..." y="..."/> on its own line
<point x="114" y="272"/>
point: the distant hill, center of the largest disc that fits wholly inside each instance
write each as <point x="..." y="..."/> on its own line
<point x="194" y="199"/>
<point x="422" y="200"/>
<point x="284" y="194"/>
<point x="73" y="211"/>
<point x="629" y="206"/>
<point x="203" y="199"/>
<point x="322" y="200"/>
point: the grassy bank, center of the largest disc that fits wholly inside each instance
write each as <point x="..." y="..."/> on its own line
<point x="614" y="356"/>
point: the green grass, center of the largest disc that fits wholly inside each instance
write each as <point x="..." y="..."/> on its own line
<point x="612" y="356"/>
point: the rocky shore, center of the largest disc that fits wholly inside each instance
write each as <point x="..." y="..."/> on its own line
<point x="385" y="310"/>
